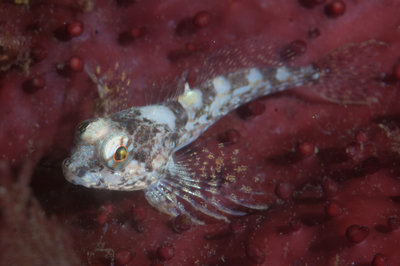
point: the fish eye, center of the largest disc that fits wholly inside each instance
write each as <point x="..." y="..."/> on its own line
<point x="116" y="151"/>
<point x="120" y="154"/>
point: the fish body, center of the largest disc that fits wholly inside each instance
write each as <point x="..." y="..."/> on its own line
<point x="133" y="149"/>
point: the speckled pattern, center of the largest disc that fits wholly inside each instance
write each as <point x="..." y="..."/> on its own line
<point x="148" y="136"/>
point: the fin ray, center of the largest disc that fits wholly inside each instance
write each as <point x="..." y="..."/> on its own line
<point x="160" y="203"/>
<point x="193" y="203"/>
<point x="351" y="74"/>
<point x="206" y="197"/>
<point x="212" y="201"/>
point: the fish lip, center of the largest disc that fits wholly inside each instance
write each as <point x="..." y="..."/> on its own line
<point x="66" y="161"/>
<point x="66" y="170"/>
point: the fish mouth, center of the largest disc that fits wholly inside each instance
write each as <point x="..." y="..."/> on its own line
<point x="72" y="175"/>
<point x="65" y="169"/>
<point x="80" y="175"/>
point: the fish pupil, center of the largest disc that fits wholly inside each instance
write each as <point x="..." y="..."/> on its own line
<point x="120" y="154"/>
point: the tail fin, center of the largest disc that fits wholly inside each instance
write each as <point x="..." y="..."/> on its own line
<point x="352" y="74"/>
<point x="205" y="184"/>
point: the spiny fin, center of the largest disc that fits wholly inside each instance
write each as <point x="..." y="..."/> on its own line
<point x="113" y="85"/>
<point x="202" y="185"/>
<point x="242" y="54"/>
<point x="351" y="74"/>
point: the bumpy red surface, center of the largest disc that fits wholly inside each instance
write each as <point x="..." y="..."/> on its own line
<point x="331" y="171"/>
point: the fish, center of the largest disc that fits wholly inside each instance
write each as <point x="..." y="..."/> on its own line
<point x="134" y="149"/>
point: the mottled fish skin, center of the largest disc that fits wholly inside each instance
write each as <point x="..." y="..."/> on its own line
<point x="152" y="133"/>
<point x="133" y="149"/>
<point x="215" y="98"/>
